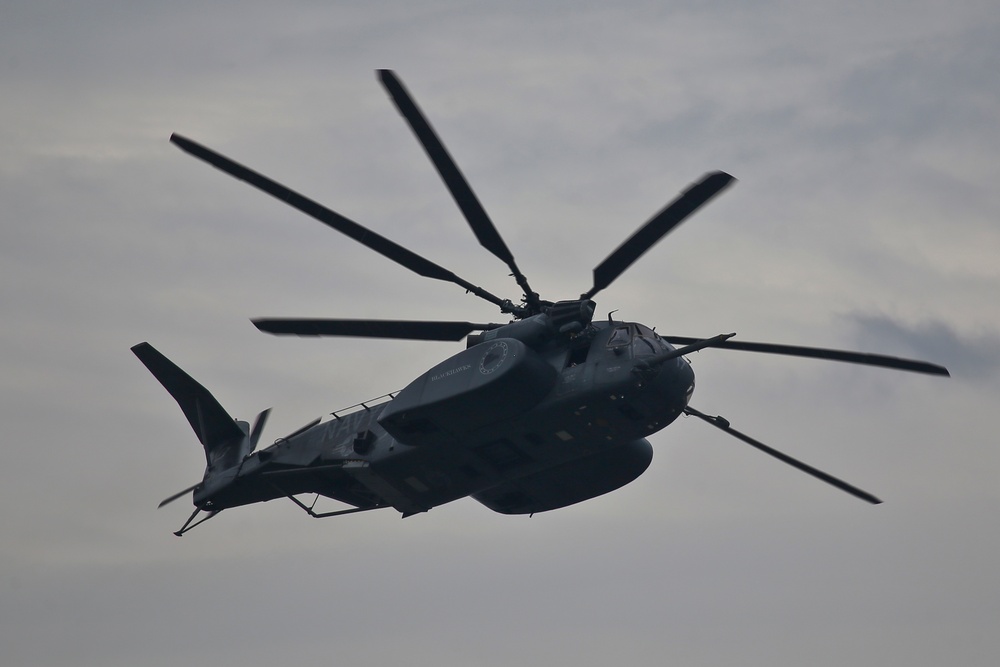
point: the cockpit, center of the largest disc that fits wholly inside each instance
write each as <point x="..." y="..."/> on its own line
<point x="640" y="339"/>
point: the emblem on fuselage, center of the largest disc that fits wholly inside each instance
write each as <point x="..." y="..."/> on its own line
<point x="495" y="355"/>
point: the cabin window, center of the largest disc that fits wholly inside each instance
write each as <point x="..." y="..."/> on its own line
<point x="619" y="336"/>
<point x="577" y="355"/>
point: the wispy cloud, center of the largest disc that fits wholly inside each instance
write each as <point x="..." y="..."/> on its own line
<point x="974" y="356"/>
<point x="863" y="135"/>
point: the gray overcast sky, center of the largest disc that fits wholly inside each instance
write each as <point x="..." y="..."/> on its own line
<point x="865" y="139"/>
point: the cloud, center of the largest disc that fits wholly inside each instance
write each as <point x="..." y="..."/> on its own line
<point x="865" y="147"/>
<point x="970" y="356"/>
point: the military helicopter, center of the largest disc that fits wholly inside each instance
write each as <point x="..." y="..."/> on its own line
<point x="544" y="411"/>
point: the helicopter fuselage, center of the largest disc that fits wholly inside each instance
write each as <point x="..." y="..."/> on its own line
<point x="522" y="427"/>
<point x="545" y="411"/>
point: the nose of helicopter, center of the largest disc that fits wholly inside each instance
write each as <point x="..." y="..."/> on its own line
<point x="676" y="382"/>
<point x="666" y="389"/>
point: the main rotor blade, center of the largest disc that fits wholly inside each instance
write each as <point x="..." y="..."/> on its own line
<point x="406" y="329"/>
<point x="656" y="228"/>
<point x="863" y="358"/>
<point x="362" y="235"/>
<point x="723" y="424"/>
<point x="486" y="232"/>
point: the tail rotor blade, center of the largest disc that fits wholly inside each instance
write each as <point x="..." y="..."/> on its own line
<point x="656" y="228"/>
<point x="723" y="425"/>
<point x="179" y="494"/>
<point x="258" y="428"/>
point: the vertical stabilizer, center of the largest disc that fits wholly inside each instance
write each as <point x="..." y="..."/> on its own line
<point x="226" y="440"/>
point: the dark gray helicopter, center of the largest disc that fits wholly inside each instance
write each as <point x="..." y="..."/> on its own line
<point x="545" y="411"/>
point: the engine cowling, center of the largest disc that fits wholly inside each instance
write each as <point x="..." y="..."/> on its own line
<point x="493" y="381"/>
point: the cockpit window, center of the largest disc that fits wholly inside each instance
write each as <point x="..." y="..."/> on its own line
<point x="643" y="347"/>
<point x="619" y="336"/>
<point x="647" y="341"/>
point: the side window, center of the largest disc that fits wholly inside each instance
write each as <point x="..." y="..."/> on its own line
<point x="577" y="355"/>
<point x="619" y="336"/>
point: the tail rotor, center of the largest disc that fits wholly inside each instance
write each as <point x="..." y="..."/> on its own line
<point x="227" y="441"/>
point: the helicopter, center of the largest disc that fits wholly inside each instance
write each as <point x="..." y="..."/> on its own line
<point x="546" y="410"/>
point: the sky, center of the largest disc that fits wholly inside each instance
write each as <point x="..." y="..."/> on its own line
<point x="864" y="139"/>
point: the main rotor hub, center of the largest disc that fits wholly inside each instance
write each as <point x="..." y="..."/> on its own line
<point x="570" y="317"/>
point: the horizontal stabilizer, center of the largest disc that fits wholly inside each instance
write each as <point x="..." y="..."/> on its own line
<point x="210" y="421"/>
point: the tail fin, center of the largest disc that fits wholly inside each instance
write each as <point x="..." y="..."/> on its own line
<point x="226" y="441"/>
